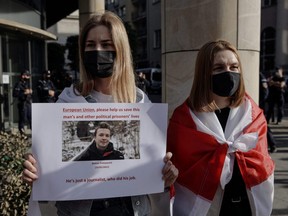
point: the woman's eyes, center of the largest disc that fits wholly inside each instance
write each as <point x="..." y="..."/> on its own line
<point x="217" y="69"/>
<point x="102" y="45"/>
<point x="90" y="45"/>
<point x="231" y="68"/>
<point x="235" y="68"/>
<point x="107" y="45"/>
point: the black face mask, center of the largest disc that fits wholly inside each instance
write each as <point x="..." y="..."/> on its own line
<point x="99" y="63"/>
<point x="225" y="84"/>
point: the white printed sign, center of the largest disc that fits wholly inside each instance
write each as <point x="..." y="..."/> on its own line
<point x="62" y="131"/>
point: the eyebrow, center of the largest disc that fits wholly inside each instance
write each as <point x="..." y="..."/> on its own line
<point x="104" y="40"/>
<point x="222" y="63"/>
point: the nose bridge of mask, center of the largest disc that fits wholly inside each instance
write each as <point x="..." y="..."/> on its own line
<point x="101" y="57"/>
<point x="227" y="74"/>
<point x="104" y="57"/>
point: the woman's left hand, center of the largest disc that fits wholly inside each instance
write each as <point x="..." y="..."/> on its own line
<point x="170" y="172"/>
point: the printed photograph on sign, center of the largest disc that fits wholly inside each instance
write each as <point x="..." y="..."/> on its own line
<point x="100" y="140"/>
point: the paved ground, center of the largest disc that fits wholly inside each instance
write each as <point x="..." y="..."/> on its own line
<point x="280" y="132"/>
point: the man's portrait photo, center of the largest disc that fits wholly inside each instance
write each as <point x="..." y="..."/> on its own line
<point x="100" y="140"/>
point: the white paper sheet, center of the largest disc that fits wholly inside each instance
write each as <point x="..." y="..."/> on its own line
<point x="63" y="179"/>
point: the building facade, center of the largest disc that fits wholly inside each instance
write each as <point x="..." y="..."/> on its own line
<point x="188" y="25"/>
<point x="145" y="19"/>
<point x="23" y="38"/>
<point x="274" y="36"/>
<point x="22" y="47"/>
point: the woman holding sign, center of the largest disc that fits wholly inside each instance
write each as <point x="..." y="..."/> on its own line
<point x="107" y="76"/>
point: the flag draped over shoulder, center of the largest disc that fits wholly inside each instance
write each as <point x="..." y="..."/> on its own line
<point x="200" y="152"/>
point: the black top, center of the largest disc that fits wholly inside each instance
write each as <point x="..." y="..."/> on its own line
<point x="18" y="91"/>
<point x="222" y="116"/>
<point x="276" y="90"/>
<point x="43" y="91"/>
<point x="236" y="188"/>
<point x="118" y="206"/>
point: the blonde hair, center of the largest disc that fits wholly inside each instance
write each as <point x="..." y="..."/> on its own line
<point x="122" y="83"/>
<point x="200" y="98"/>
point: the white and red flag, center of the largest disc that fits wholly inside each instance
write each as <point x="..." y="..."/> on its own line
<point x="205" y="154"/>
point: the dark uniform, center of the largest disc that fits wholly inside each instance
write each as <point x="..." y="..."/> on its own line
<point x="143" y="83"/>
<point x="276" y="97"/>
<point x="23" y="93"/>
<point x="46" y="89"/>
<point x="263" y="96"/>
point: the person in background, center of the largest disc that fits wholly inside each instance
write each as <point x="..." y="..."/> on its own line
<point x="263" y="92"/>
<point x="46" y="89"/>
<point x="263" y="96"/>
<point x="23" y="92"/>
<point x="142" y="82"/>
<point x="276" y="95"/>
<point x="107" y="76"/>
<point x="218" y="141"/>
<point x="101" y="148"/>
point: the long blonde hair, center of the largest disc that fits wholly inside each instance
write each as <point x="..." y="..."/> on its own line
<point x="123" y="87"/>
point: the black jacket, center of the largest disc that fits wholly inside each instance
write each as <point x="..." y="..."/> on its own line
<point x="19" y="89"/>
<point x="43" y="91"/>
<point x="92" y="153"/>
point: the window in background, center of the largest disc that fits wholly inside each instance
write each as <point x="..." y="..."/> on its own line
<point x="157" y="39"/>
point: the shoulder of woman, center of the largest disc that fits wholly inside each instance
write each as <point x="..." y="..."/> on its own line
<point x="141" y="97"/>
<point x="70" y="95"/>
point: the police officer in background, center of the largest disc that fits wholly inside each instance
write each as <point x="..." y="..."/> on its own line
<point x="263" y="96"/>
<point x="276" y="95"/>
<point x="46" y="88"/>
<point x="23" y="93"/>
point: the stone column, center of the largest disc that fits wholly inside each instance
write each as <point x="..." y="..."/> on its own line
<point x="187" y="25"/>
<point x="89" y="7"/>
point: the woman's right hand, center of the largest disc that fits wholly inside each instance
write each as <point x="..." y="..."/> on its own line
<point x="29" y="174"/>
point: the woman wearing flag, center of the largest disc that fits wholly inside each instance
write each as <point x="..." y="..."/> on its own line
<point x="218" y="140"/>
